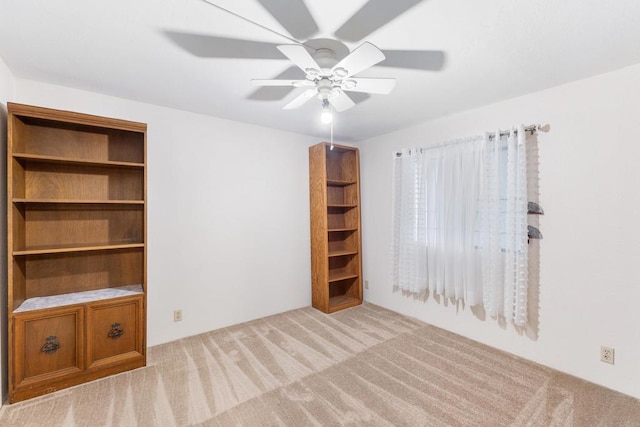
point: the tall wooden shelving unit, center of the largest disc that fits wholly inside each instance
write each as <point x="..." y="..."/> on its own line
<point x="76" y="187"/>
<point x="336" y="266"/>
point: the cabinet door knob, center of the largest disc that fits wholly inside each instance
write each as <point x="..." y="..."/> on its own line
<point x="51" y="345"/>
<point x="115" y="332"/>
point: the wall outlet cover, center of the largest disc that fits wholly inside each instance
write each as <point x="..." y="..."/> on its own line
<point x="607" y="354"/>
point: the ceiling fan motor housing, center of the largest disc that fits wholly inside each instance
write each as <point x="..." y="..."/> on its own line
<point x="326" y="59"/>
<point x="329" y="79"/>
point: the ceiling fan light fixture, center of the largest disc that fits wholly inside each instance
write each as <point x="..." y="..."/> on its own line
<point x="326" y="116"/>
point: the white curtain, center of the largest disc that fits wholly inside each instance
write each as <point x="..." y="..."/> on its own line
<point x="460" y="223"/>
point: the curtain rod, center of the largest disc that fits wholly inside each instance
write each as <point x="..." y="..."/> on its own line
<point x="531" y="128"/>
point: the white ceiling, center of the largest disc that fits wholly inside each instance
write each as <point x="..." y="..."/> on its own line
<point x="495" y="49"/>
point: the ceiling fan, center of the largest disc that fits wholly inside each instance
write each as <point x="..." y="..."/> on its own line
<point x="328" y="79"/>
<point x="317" y="64"/>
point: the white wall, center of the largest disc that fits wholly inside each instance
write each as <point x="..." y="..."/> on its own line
<point x="590" y="192"/>
<point x="228" y="213"/>
<point x="6" y="94"/>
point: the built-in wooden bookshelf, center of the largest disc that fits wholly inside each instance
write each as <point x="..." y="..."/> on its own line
<point x="76" y="187"/>
<point x="336" y="266"/>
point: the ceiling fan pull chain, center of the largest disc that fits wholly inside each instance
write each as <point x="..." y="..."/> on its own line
<point x="331" y="148"/>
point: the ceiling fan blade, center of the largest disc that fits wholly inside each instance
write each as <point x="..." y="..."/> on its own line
<point x="341" y="102"/>
<point x="299" y="56"/>
<point x="293" y="15"/>
<point x="430" y="60"/>
<point x="359" y="97"/>
<point x="274" y="93"/>
<point x="373" y="85"/>
<point x="373" y="15"/>
<point x="364" y="56"/>
<point x="206" y="46"/>
<point x="274" y="82"/>
<point x="301" y="99"/>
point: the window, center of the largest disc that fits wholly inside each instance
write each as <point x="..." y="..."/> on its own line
<point x="460" y="223"/>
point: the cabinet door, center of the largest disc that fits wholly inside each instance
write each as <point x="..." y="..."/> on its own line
<point x="115" y="332"/>
<point x="48" y="345"/>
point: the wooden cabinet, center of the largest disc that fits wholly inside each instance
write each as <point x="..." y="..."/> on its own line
<point x="336" y="266"/>
<point x="114" y="332"/>
<point x="48" y="346"/>
<point x="76" y="187"/>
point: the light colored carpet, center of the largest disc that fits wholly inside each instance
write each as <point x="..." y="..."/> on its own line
<point x="365" y="366"/>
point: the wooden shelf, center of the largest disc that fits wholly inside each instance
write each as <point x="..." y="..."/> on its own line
<point x="341" y="253"/>
<point x="336" y="265"/>
<point x="336" y="230"/>
<point x="339" y="183"/>
<point x="338" y="275"/>
<point x="342" y="206"/>
<point x="341" y="302"/>
<point x="75" y="161"/>
<point x="71" y="248"/>
<point x="79" y="201"/>
<point x="76" y="241"/>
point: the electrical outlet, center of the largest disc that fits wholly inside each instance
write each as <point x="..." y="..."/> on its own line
<point x="366" y="284"/>
<point x="607" y="355"/>
<point x="177" y="315"/>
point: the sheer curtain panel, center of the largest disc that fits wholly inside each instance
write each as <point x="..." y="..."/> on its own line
<point x="460" y="223"/>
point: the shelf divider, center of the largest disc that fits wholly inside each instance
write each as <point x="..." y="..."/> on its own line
<point x="75" y="161"/>
<point x="342" y="253"/>
<point x="342" y="205"/>
<point x="70" y="248"/>
<point x="339" y="183"/>
<point x="78" y="201"/>
<point x="338" y="275"/>
<point x="336" y="230"/>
